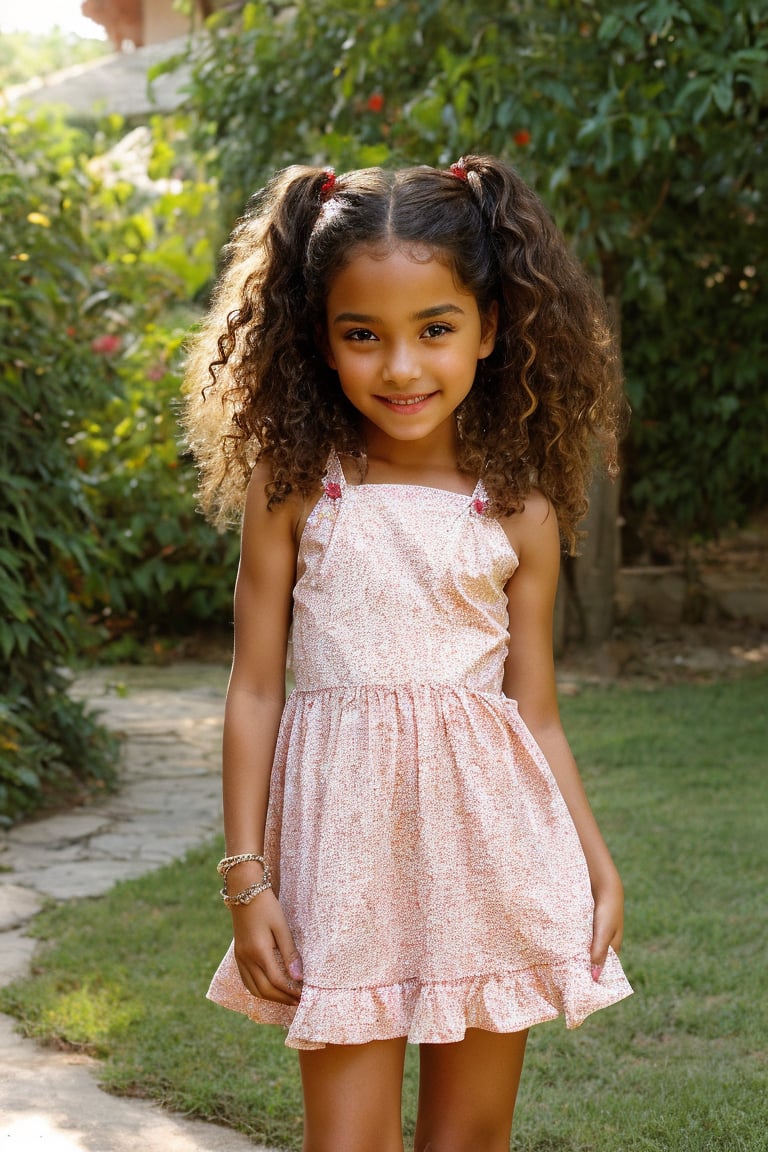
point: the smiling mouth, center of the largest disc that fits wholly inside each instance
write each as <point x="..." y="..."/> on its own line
<point x="406" y="403"/>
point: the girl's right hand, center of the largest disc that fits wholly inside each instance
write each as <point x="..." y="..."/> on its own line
<point x="266" y="955"/>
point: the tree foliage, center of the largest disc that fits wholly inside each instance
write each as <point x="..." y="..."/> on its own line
<point x="98" y="534"/>
<point x="643" y="127"/>
<point x="46" y="741"/>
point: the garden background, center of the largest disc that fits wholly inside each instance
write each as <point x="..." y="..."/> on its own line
<point x="642" y="127"/>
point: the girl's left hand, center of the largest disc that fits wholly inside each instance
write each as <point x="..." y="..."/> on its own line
<point x="607" y="922"/>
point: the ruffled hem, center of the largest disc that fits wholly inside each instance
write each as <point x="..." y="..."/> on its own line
<point x="430" y="1012"/>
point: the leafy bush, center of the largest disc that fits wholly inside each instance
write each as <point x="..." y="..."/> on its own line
<point x="98" y="533"/>
<point x="163" y="569"/>
<point x="47" y="744"/>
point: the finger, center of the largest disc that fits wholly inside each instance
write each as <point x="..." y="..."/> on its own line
<point x="599" y="949"/>
<point x="275" y="971"/>
<point x="269" y="990"/>
<point x="616" y="940"/>
<point x="258" y="984"/>
<point x="289" y="953"/>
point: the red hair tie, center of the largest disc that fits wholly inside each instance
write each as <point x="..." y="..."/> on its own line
<point x="458" y="170"/>
<point x="326" y="189"/>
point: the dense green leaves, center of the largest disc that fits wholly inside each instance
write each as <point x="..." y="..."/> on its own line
<point x="163" y="569"/>
<point x="47" y="744"/>
<point x="98" y="534"/>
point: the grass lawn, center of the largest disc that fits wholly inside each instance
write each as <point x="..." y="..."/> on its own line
<point x="677" y="778"/>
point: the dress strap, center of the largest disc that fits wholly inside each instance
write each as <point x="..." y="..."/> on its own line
<point x="334" y="480"/>
<point x="479" y="501"/>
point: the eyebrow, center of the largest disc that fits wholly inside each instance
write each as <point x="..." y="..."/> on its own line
<point x="425" y="314"/>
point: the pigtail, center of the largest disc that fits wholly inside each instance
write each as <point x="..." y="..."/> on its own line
<point x="254" y="365"/>
<point x="549" y="394"/>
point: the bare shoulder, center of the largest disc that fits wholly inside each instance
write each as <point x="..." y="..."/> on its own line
<point x="533" y="531"/>
<point x="265" y="527"/>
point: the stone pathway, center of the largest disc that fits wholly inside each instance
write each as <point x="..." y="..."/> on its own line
<point x="168" y="802"/>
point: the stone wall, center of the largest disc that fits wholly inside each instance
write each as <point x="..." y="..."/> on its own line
<point x="719" y="580"/>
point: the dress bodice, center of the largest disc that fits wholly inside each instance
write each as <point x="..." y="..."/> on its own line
<point x="400" y="584"/>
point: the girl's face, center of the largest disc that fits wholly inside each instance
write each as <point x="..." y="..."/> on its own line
<point x="405" y="340"/>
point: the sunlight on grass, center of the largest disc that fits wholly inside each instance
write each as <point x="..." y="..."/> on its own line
<point x="88" y="1015"/>
<point x="677" y="779"/>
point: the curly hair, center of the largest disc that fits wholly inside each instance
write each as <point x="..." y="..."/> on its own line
<point x="544" y="407"/>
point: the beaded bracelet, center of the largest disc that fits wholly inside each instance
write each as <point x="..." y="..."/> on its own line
<point x="253" y="890"/>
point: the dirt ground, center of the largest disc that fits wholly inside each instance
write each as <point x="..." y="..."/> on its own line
<point x="662" y="654"/>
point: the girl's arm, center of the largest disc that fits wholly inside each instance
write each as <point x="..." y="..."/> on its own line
<point x="529" y="678"/>
<point x="255" y="700"/>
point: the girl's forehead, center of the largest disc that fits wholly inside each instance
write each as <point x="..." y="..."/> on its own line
<point x="371" y="266"/>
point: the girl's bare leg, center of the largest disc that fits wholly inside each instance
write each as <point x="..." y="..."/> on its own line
<point x="467" y="1092"/>
<point x="352" y="1095"/>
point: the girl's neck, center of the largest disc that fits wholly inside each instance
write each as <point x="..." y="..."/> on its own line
<point x="429" y="461"/>
<point x="439" y="449"/>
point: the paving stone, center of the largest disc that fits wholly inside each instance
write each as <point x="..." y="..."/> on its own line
<point x="55" y="1104"/>
<point x="17" y="905"/>
<point x="16" y="951"/>
<point x="84" y="877"/>
<point x="25" y="856"/>
<point x="117" y="845"/>
<point x="60" y="829"/>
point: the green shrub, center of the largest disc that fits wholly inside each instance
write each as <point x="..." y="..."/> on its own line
<point x="164" y="570"/>
<point x="98" y="533"/>
<point x="47" y="745"/>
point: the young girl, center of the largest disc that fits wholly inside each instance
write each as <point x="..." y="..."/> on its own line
<point x="401" y="383"/>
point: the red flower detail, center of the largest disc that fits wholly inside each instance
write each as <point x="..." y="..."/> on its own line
<point x="522" y="137"/>
<point x="479" y="505"/>
<point x="71" y="331"/>
<point x="332" y="490"/>
<point x="106" y="344"/>
<point x="376" y="102"/>
<point x="458" y="170"/>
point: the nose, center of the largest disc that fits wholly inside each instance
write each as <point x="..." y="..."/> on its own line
<point x="401" y="365"/>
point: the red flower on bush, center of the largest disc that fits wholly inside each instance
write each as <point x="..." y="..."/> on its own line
<point x="106" y="344"/>
<point x="522" y="137"/>
<point x="376" y="102"/>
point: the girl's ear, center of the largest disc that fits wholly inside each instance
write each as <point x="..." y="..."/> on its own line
<point x="490" y="325"/>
